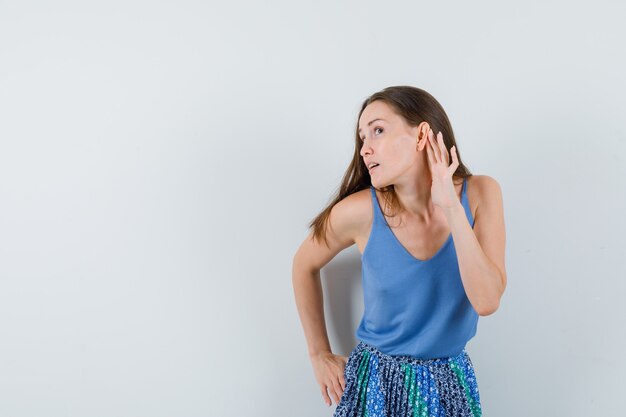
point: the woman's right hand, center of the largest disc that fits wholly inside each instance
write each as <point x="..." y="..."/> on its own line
<point x="329" y="369"/>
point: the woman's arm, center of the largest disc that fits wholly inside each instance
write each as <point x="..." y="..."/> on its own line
<point x="312" y="255"/>
<point x="345" y="221"/>
<point x="480" y="251"/>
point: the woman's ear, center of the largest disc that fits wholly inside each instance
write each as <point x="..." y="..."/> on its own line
<point x="422" y="135"/>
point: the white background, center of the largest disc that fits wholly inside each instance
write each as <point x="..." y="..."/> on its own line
<point x="159" y="163"/>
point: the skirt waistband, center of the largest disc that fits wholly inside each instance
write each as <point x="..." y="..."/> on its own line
<point x="409" y="360"/>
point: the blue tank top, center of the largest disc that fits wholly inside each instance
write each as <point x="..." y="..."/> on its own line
<point x="413" y="307"/>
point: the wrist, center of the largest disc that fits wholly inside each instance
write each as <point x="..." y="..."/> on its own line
<point x="452" y="210"/>
<point x="318" y="353"/>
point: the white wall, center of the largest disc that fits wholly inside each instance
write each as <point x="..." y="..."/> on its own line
<point x="159" y="162"/>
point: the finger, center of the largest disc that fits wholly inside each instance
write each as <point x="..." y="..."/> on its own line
<point x="342" y="382"/>
<point x="429" y="152"/>
<point x="442" y="147"/>
<point x="338" y="386"/>
<point x="326" y="397"/>
<point x="455" y="159"/>
<point x="435" y="149"/>
<point x="431" y="139"/>
<point x="338" y="391"/>
<point x="333" y="393"/>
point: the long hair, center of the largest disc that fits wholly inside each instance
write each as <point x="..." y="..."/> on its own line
<point x="415" y="106"/>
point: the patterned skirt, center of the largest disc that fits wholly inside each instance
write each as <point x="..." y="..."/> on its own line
<point x="380" y="385"/>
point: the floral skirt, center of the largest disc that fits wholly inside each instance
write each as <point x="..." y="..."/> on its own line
<point x="378" y="384"/>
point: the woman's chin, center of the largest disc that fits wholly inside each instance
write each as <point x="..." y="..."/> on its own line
<point x="378" y="183"/>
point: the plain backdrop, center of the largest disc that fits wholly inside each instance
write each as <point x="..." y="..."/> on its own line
<point x="160" y="162"/>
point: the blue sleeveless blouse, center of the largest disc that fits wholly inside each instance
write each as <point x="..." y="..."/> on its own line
<point x="413" y="307"/>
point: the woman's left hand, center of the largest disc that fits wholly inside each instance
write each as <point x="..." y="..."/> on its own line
<point x="442" y="190"/>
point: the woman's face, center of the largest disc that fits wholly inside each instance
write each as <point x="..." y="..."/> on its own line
<point x="390" y="142"/>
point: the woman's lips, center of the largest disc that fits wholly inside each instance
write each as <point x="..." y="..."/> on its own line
<point x="373" y="168"/>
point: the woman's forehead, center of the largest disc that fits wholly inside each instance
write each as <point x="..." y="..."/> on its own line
<point x="370" y="115"/>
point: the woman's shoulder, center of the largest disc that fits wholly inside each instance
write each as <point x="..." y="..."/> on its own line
<point x="359" y="203"/>
<point x="480" y="179"/>
<point x="482" y="183"/>
<point x="356" y="209"/>
<point x="479" y="188"/>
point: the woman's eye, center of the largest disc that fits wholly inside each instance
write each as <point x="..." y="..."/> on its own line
<point x="363" y="139"/>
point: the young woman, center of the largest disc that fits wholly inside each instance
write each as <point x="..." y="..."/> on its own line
<point x="432" y="243"/>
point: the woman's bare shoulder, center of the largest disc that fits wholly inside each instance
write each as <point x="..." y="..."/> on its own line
<point x="482" y="178"/>
<point x="346" y="220"/>
<point x="477" y="186"/>
<point x="357" y="209"/>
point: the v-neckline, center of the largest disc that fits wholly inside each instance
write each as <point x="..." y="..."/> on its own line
<point x="441" y="248"/>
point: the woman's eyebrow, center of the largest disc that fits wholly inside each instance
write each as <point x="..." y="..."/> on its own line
<point x="373" y="122"/>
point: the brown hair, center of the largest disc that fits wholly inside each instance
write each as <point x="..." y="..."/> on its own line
<point x="415" y="106"/>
